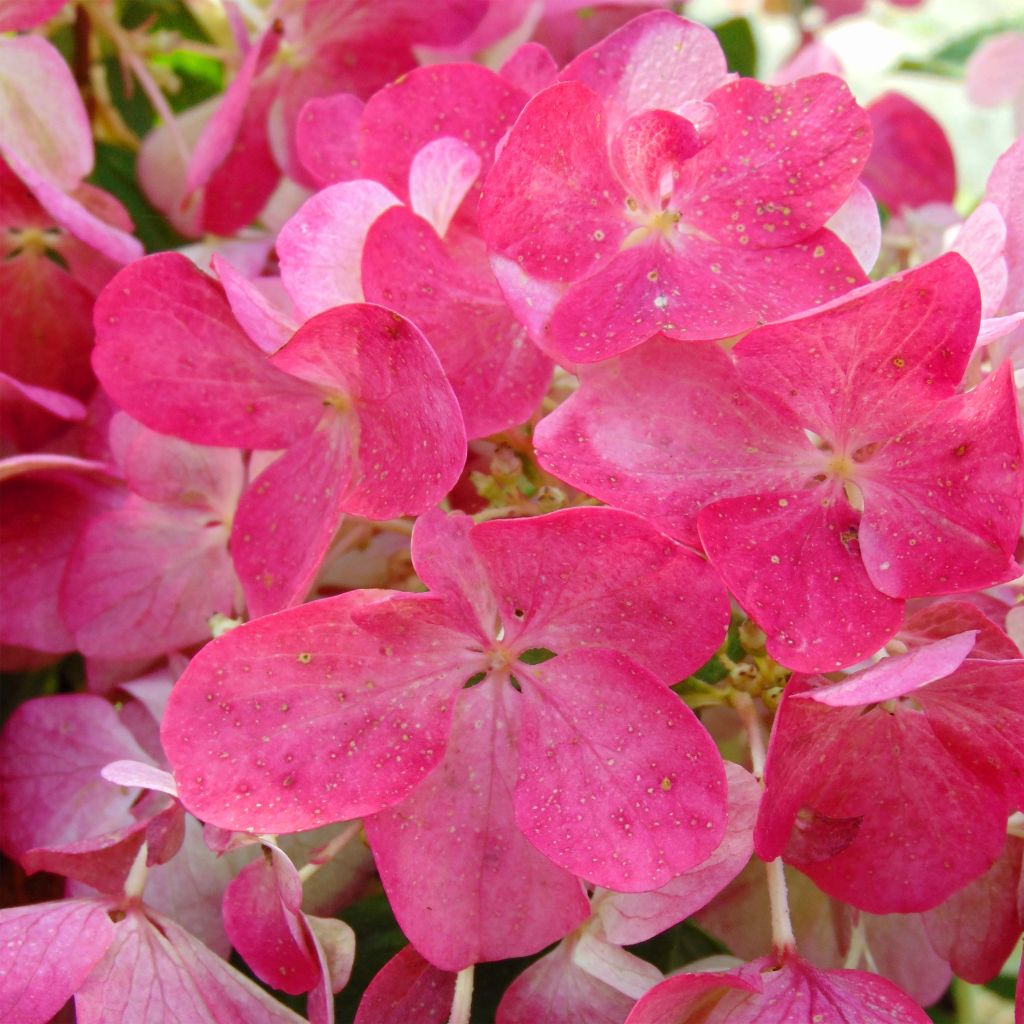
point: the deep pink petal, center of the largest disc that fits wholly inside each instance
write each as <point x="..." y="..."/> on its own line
<point x="619" y="782"/>
<point x="648" y="146"/>
<point x="530" y="67"/>
<point x="793" y="562"/>
<point x="16" y="15"/>
<point x="303" y="718"/>
<point x="498" y="376"/>
<point x="946" y="618"/>
<point x="326" y="137"/>
<point x="462" y="880"/>
<point x="48" y="951"/>
<point x="170" y="353"/>
<point x="584" y="577"/>
<point x="407" y="988"/>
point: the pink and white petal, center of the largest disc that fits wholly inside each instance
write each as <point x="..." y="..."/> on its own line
<point x="793" y="562"/>
<point x="858" y="226"/>
<point x="911" y="162"/>
<point x="156" y="971"/>
<point x="48" y="950"/>
<point x="44" y="126"/>
<point x="995" y="327"/>
<point x="327" y="136"/>
<point x="140" y="775"/>
<point x="696" y="289"/>
<point x="464" y="883"/>
<point x="303" y="718"/>
<point x="804" y="154"/>
<point x="321" y="246"/>
<point x="896" y="676"/>
<point x="551" y="202"/>
<point x="51" y="754"/>
<point x="584" y="577"/>
<point x="981" y="242"/>
<point x="1003" y="190"/>
<point x="145" y="579"/>
<point x="943" y="501"/>
<point x="266" y="323"/>
<point x="289" y="515"/>
<point x="648" y="432"/>
<point x="407" y="988"/>
<point x="627" y="918"/>
<point x="465" y="101"/>
<point x="557" y="990"/>
<point x="657" y="60"/>
<point x="890" y="350"/>
<point x="995" y="71"/>
<point x="170" y="353"/>
<point x="498" y="377"/>
<point x="531" y="301"/>
<point x="263" y="919"/>
<point x="440" y="176"/>
<point x="619" y="782"/>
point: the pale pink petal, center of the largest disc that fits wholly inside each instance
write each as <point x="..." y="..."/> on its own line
<point x="627" y="918"/>
<point x="657" y="60"/>
<point x="52" y="752"/>
<point x="156" y="971"/>
<point x="902" y="953"/>
<point x="170" y="353"/>
<point x="793" y="562"/>
<point x="1003" y="190"/>
<point x="441" y="174"/>
<point x="812" y="58"/>
<point x="531" y="301"/>
<point x="996" y="327"/>
<point x="272" y="724"/>
<point x="266" y="323"/>
<point x="407" y="988"/>
<point x="464" y="883"/>
<point x="321" y="247"/>
<point x="943" y="501"/>
<point x="529" y="67"/>
<point x="46" y="951"/>
<point x="583" y="578"/>
<point x="326" y="137"/>
<point x="648" y="432"/>
<point x="911" y="161"/>
<point x="857" y="224"/>
<point x="995" y="70"/>
<point x="981" y="242"/>
<point x="619" y="782"/>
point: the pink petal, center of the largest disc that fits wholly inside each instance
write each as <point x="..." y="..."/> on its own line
<point x="267" y="325"/>
<point x="613" y="570"/>
<point x="1002" y="189"/>
<point x="553" y="173"/>
<point x="657" y="60"/>
<point x="440" y="175"/>
<point x="981" y="242"/>
<point x="814" y="57"/>
<point x="793" y="562"/>
<point x="320" y="248"/>
<point x="16" y="15"/>
<point x="140" y="775"/>
<point x="326" y="137"/>
<point x="530" y="67"/>
<point x="647" y="147"/>
<point x="896" y="676"/>
<point x="619" y="783"/>
<point x="380" y="372"/>
<point x="43" y="122"/>
<point x="48" y="801"/>
<point x="170" y="353"/>
<point x="288" y="517"/>
<point x="627" y="918"/>
<point x="911" y="161"/>
<point x="407" y="988"/>
<point x="48" y="951"/>
<point x="995" y="70"/>
<point x="300" y="719"/>
<point x="858" y="226"/>
<point x="462" y="880"/>
<point x="943" y="501"/>
<point x="30" y="416"/>
<point x="946" y="618"/>
<point x="498" y="377"/>
<point x="647" y="432"/>
<point x="815" y="133"/>
<point x="155" y="971"/>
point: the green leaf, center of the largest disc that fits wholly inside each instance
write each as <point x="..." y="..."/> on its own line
<point x="949" y="61"/>
<point x="737" y="42"/>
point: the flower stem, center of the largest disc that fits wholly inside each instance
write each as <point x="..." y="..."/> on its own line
<point x="329" y="850"/>
<point x="463" y="998"/>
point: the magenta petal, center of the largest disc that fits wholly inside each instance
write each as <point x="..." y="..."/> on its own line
<point x="48" y="950"/>
<point x="793" y="563"/>
<point x="619" y="782"/>
<point x="943" y="501"/>
<point x="155" y="971"/>
<point x="326" y="136"/>
<point x="263" y="918"/>
<point x="407" y="988"/>
<point x="613" y="570"/>
<point x="379" y="371"/>
<point x="303" y="718"/>
<point x="170" y="353"/>
<point x="462" y="880"/>
<point x="498" y="377"/>
<point x="288" y="516"/>
<point x="648" y="146"/>
<point x="551" y="202"/>
<point x="627" y="918"/>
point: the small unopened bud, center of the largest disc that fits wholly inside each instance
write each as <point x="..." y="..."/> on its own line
<point x="506" y="466"/>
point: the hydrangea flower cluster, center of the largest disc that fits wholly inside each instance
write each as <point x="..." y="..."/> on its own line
<point x="540" y="495"/>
